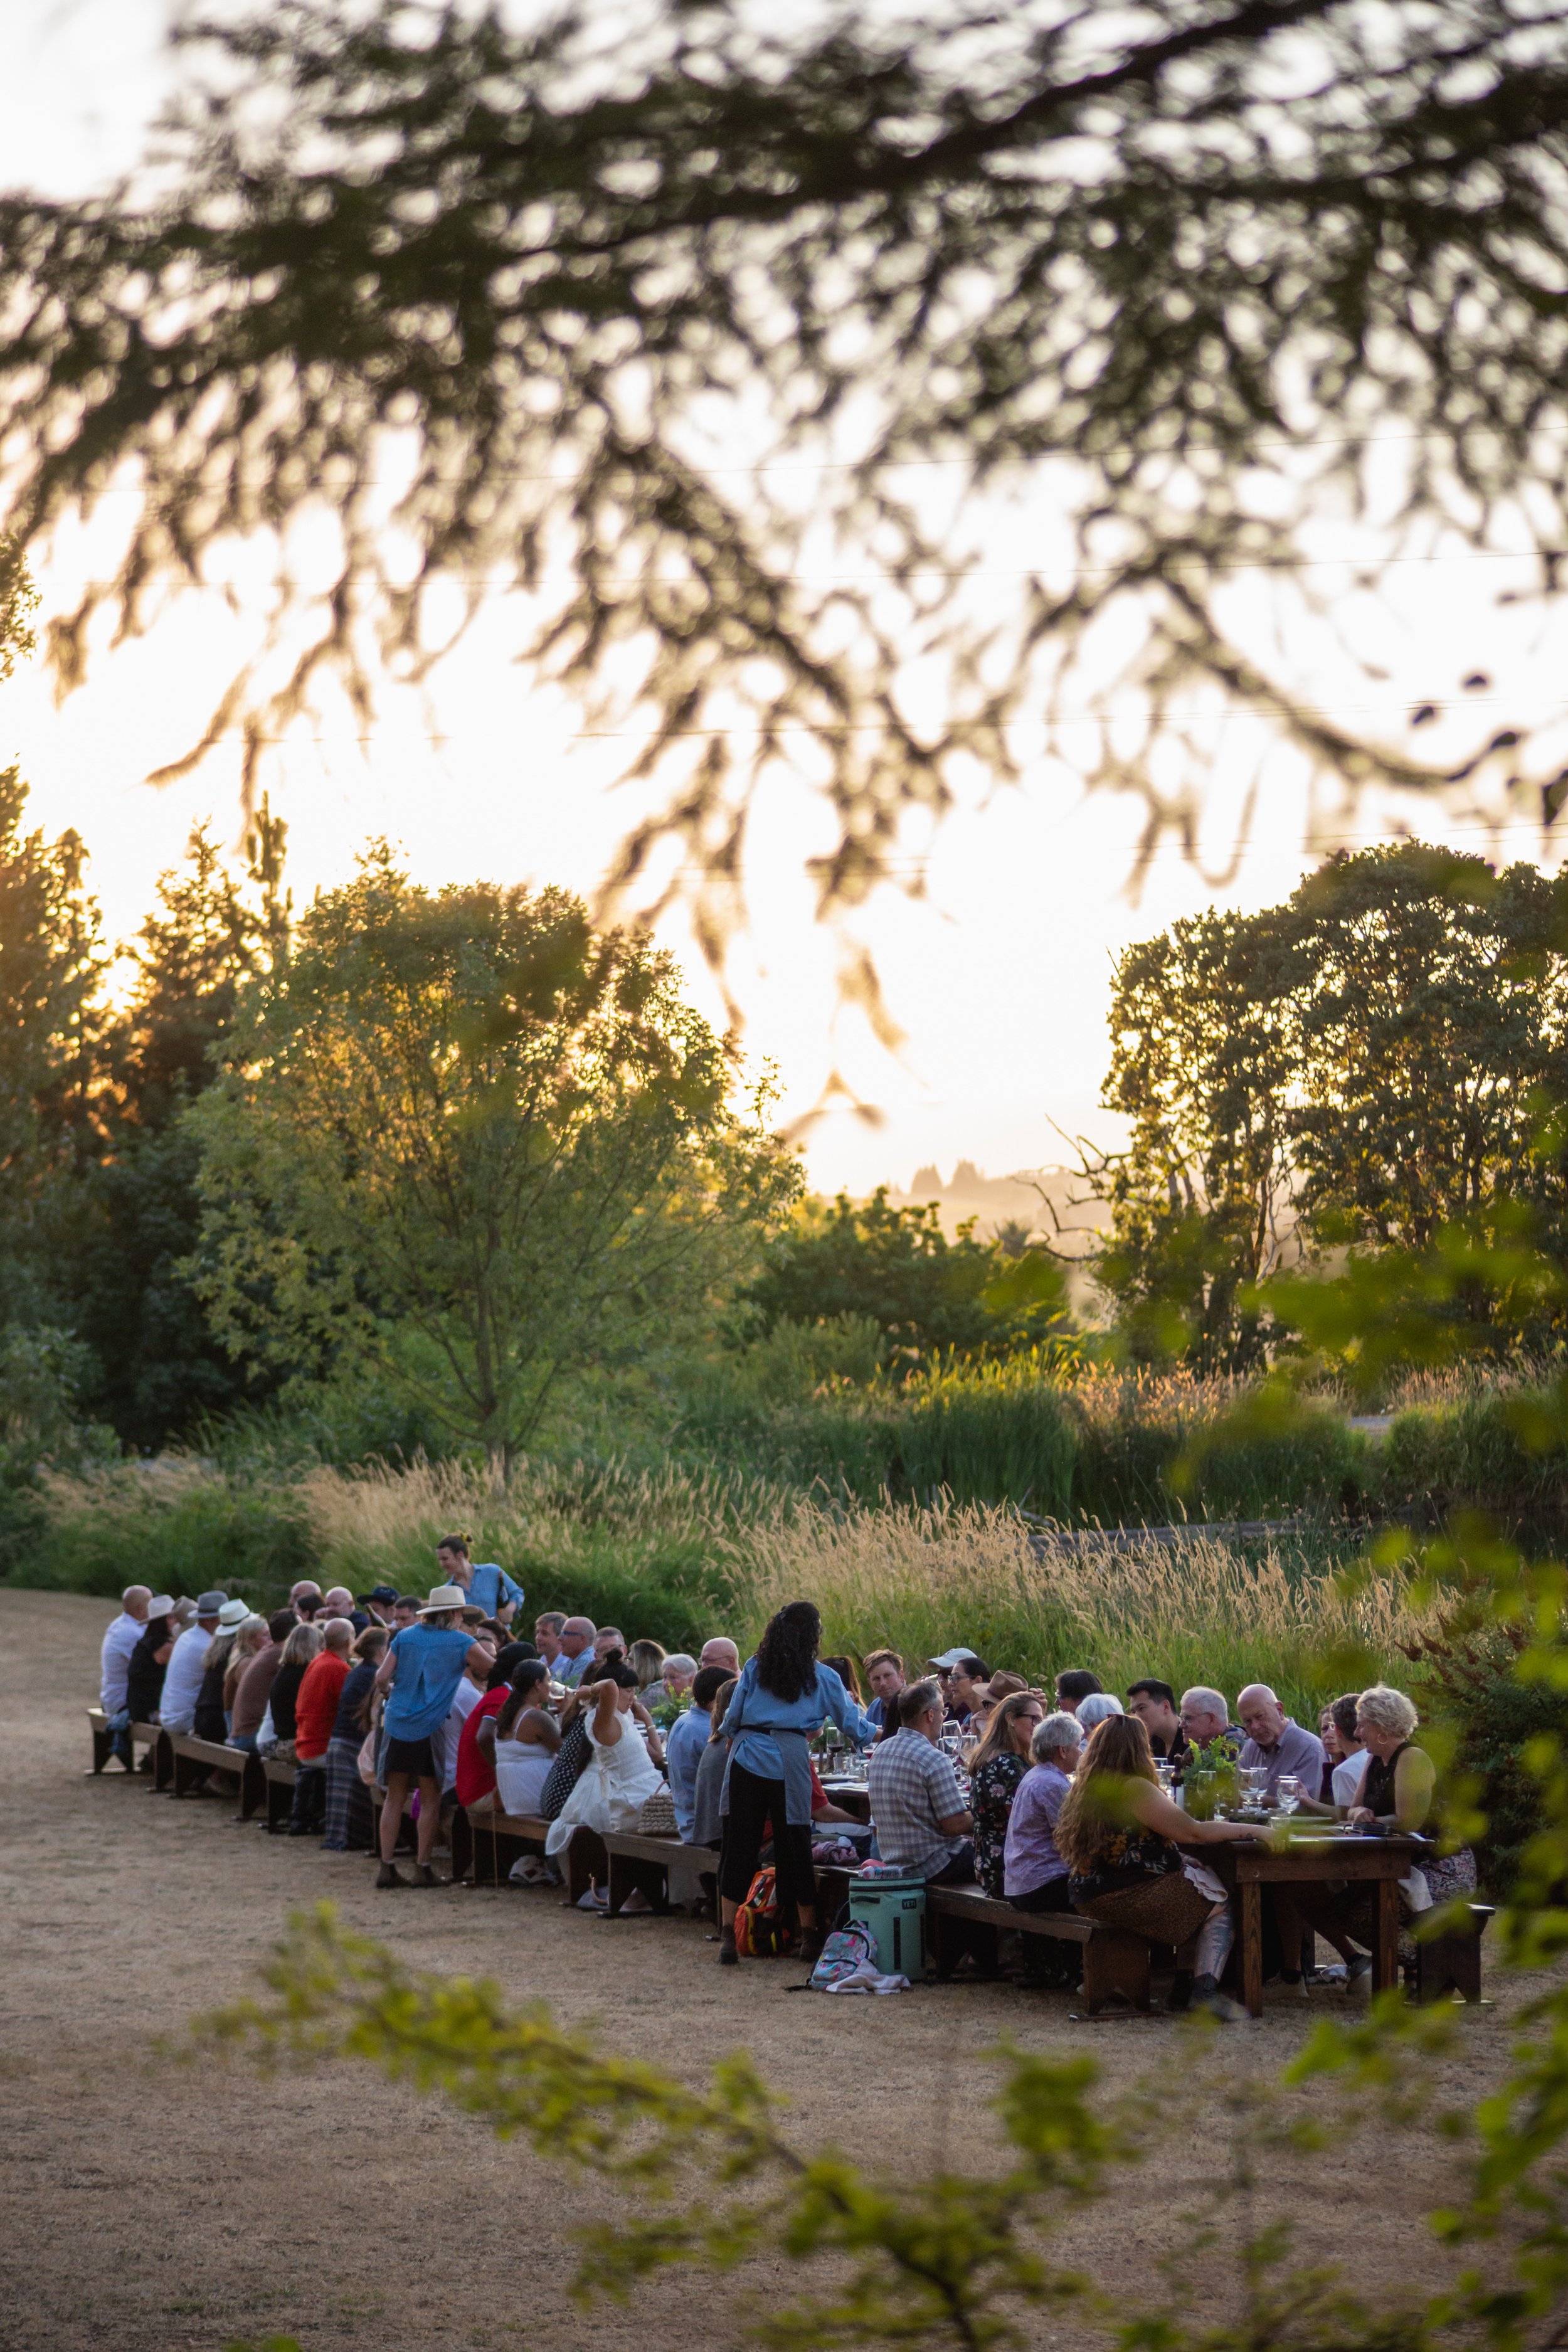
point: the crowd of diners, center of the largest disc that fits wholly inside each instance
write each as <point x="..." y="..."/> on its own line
<point x="1070" y="1799"/>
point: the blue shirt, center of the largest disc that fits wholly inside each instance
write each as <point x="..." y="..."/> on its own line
<point x="491" y="1588"/>
<point x="688" y="1735"/>
<point x="571" y="1671"/>
<point x="429" y="1668"/>
<point x="754" y="1710"/>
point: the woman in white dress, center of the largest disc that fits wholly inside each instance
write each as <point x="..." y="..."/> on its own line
<point x="624" y="1771"/>
<point x="522" y="1739"/>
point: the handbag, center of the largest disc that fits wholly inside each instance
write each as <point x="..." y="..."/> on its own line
<point x="657" y="1817"/>
<point x="365" y="1760"/>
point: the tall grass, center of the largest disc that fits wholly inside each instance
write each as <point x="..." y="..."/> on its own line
<point x="921" y="1578"/>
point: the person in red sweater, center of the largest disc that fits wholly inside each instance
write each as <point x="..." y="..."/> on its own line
<point x="315" y="1712"/>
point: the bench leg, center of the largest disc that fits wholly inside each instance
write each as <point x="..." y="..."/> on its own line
<point x="102" y="1748"/>
<point x="1115" y="1963"/>
<point x="462" y="1845"/>
<point x="1448" y="1964"/>
<point x="279" y="1805"/>
<point x="950" y="1938"/>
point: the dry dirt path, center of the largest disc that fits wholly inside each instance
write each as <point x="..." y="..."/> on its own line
<point x="147" y="2206"/>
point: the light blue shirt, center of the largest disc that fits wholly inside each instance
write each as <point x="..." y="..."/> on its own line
<point x="491" y="1588"/>
<point x="571" y="1671"/>
<point x="753" y="1711"/>
<point x="430" y="1661"/>
<point x="687" y="1736"/>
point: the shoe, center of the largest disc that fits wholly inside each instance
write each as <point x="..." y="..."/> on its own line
<point x="425" y="1876"/>
<point x="1180" y="1997"/>
<point x="1295" y="1989"/>
<point x="1358" y="1978"/>
<point x="728" y="1957"/>
<point x="1206" y="1995"/>
<point x="390" y="1876"/>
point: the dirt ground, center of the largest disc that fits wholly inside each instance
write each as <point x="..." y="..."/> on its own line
<point x="147" y="2205"/>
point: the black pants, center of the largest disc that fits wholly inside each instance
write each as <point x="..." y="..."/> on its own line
<point x="309" y="1816"/>
<point x="753" y="1803"/>
<point x="957" y="1870"/>
<point x="1052" y="1896"/>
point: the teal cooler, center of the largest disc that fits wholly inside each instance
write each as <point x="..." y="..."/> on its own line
<point x="893" y="1913"/>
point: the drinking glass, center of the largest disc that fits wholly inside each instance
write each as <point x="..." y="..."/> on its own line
<point x="1290" y="1792"/>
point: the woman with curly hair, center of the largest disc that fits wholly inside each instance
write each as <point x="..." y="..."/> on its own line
<point x="783" y="1696"/>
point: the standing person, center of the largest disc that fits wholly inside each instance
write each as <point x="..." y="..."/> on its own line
<point x="996" y="1771"/>
<point x="688" y="1737"/>
<point x="254" y="1694"/>
<point x="885" y="1680"/>
<point x="781" y="1701"/>
<point x="486" y="1585"/>
<point x="350" y="1825"/>
<point x="188" y="1665"/>
<point x="119" y="1639"/>
<point x="315" y="1714"/>
<point x="418" y="1678"/>
<point x="148" y="1663"/>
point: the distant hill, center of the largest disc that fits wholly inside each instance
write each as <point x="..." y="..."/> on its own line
<point x="1018" y="1199"/>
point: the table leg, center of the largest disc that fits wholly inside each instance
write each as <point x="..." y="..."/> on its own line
<point x="1385" y="1955"/>
<point x="1251" y="1895"/>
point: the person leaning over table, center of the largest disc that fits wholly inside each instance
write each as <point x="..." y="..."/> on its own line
<point x="1122" y="1841"/>
<point x="1398" y="1784"/>
<point x="918" y="1811"/>
<point x="782" y="1697"/>
<point x="999" y="1764"/>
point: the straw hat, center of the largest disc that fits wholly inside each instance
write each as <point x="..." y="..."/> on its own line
<point x="444" y="1597"/>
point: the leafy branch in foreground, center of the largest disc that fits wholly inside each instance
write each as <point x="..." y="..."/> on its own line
<point x="505" y="303"/>
<point x="946" y="2260"/>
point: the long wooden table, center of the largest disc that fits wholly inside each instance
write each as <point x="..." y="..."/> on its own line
<point x="1249" y="1869"/>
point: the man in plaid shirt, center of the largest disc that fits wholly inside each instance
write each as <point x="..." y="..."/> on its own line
<point x="917" y="1806"/>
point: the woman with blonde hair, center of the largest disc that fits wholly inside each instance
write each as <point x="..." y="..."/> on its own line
<point x="277" y="1724"/>
<point x="646" y="1660"/>
<point x="1123" y="1839"/>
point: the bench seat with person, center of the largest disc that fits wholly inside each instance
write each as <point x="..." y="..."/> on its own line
<point x="918" y="1810"/>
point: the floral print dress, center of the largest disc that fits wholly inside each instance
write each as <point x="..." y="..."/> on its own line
<point x="991" y="1794"/>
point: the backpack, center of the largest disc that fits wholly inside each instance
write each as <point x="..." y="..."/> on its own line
<point x="761" y="1933"/>
<point x="846" y="1950"/>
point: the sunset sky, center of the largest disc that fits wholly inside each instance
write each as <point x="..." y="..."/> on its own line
<point x="999" y="976"/>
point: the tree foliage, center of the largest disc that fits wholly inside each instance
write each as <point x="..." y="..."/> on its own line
<point x="523" y="293"/>
<point x="1371" y="1063"/>
<point x="928" y="1296"/>
<point x="472" y="1137"/>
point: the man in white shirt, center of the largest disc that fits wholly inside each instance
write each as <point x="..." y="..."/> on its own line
<point x="114" y="1664"/>
<point x="188" y="1664"/>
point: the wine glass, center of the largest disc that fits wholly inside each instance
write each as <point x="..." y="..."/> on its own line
<point x="1289" y="1792"/>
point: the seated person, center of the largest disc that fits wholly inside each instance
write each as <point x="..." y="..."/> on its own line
<point x="998" y="1765"/>
<point x="520" y="1741"/>
<point x="922" y="1822"/>
<point x="707" y="1822"/>
<point x="968" y="1686"/>
<point x="1074" y="1685"/>
<point x="676" y="1676"/>
<point x="1035" y="1876"/>
<point x="1285" y="1749"/>
<point x="885" y="1680"/>
<point x="154" y="1648"/>
<point x="1154" y="1704"/>
<point x="1123" y="1839"/>
<point x="1096" y="1707"/>
<point x="1398" y="1783"/>
<point x="1205" y="1719"/>
<point x="688" y="1737"/>
<point x="254" y="1690"/>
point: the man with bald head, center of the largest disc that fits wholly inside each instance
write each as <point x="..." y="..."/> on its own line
<point x="1281" y="1746"/>
<point x="576" y="1654"/>
<point x="114" y="1665"/>
<point x="721" y="1652"/>
<point x="340" y="1602"/>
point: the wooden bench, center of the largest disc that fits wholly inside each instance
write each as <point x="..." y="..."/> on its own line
<point x="485" y="1848"/>
<point x="152" y="1737"/>
<point x="966" y="1919"/>
<point x="195" y="1761"/>
<point x="103" y="1740"/>
<point x="639" y="1862"/>
<point x="1450" y="1963"/>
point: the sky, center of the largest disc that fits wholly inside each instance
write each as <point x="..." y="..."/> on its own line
<point x="998" y="974"/>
